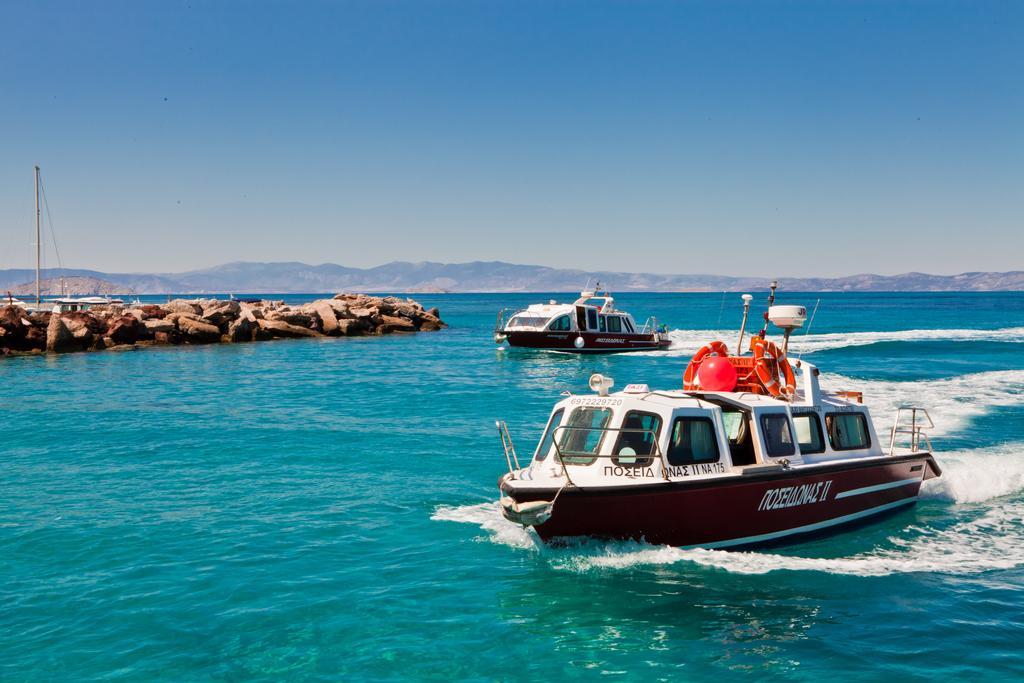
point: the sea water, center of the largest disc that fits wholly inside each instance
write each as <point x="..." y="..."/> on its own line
<point x="325" y="509"/>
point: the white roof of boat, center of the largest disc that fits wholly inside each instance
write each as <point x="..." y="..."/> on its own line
<point x="547" y="309"/>
<point x="676" y="398"/>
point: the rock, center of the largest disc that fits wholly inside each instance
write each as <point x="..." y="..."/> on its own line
<point x="83" y="327"/>
<point x="196" y="331"/>
<point x="172" y="336"/>
<point x="351" y="327"/>
<point x="434" y="313"/>
<point x="209" y="321"/>
<point x="220" y="313"/>
<point x="240" y="329"/>
<point x="390" y="323"/>
<point x="126" y="329"/>
<point x="35" y="337"/>
<point x="365" y="312"/>
<point x="250" y="313"/>
<point x="279" y="328"/>
<point x="157" y="325"/>
<point x="429" y="323"/>
<point x="328" y="321"/>
<point x="58" y="336"/>
<point x="292" y="317"/>
<point x="150" y="311"/>
<point x="13" y="328"/>
<point x="182" y="306"/>
<point x="340" y="308"/>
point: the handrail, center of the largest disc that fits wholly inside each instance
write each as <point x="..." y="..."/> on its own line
<point x="915" y="429"/>
<point x="508" y="447"/>
<point x="504" y="315"/>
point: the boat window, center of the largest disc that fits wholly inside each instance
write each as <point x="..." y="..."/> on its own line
<point x="628" y="326"/>
<point x="808" y="433"/>
<point x="734" y="421"/>
<point x="614" y="324"/>
<point x="693" y="441"/>
<point x="637" y="437"/>
<point x="604" y="323"/>
<point x="582" y="436"/>
<point x="561" y="323"/>
<point x="549" y="435"/>
<point x="591" y="318"/>
<point x="847" y="431"/>
<point x="778" y="439"/>
<point x="527" y="321"/>
<point x="737" y="430"/>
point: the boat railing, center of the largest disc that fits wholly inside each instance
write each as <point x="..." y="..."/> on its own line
<point x="508" y="447"/>
<point x="650" y="325"/>
<point x="586" y="458"/>
<point x="911" y="421"/>
<point x="504" y="315"/>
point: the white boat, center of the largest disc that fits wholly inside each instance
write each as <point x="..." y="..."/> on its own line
<point x="590" y="324"/>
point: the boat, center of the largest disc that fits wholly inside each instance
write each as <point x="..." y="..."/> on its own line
<point x="591" y="324"/>
<point x="63" y="304"/>
<point x="751" y="451"/>
<point x="82" y="303"/>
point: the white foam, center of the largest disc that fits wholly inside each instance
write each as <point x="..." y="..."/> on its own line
<point x="978" y="475"/>
<point x="951" y="402"/>
<point x="686" y="342"/>
<point x="488" y="517"/>
<point x="995" y="540"/>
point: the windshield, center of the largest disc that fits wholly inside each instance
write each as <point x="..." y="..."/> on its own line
<point x="549" y="436"/>
<point x="582" y="436"/>
<point x="527" y="321"/>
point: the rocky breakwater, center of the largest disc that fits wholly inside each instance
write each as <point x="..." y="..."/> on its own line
<point x="209" y="321"/>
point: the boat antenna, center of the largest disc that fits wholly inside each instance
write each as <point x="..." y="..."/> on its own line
<point x="808" y="328"/>
<point x="771" y="301"/>
<point x="721" y="309"/>
<point x="747" y="298"/>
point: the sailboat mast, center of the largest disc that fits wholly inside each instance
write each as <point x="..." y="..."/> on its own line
<point x="39" y="241"/>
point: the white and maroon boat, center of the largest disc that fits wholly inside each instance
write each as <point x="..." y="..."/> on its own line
<point x="744" y="455"/>
<point x="591" y="324"/>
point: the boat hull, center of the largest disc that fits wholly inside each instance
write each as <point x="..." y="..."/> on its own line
<point x="593" y="342"/>
<point x="746" y="511"/>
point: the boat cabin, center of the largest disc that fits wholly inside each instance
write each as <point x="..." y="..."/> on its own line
<point x="639" y="436"/>
<point x="589" y="313"/>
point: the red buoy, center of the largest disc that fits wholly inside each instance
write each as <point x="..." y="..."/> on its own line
<point x="716" y="374"/>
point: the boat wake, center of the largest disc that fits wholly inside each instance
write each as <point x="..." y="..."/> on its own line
<point x="488" y="517"/>
<point x="984" y="537"/>
<point x="686" y="342"/>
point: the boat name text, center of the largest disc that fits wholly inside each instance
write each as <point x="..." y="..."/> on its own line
<point x="695" y="469"/>
<point x="791" y="496"/>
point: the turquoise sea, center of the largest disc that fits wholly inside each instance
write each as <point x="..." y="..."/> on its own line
<point x="324" y="510"/>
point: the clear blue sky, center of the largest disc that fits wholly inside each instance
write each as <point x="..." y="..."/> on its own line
<point x="762" y="138"/>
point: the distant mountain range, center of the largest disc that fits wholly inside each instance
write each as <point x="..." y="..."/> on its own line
<point x="480" y="276"/>
<point x="72" y="285"/>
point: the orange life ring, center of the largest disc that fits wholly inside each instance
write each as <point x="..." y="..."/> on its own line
<point x="690" y="376"/>
<point x="772" y="366"/>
